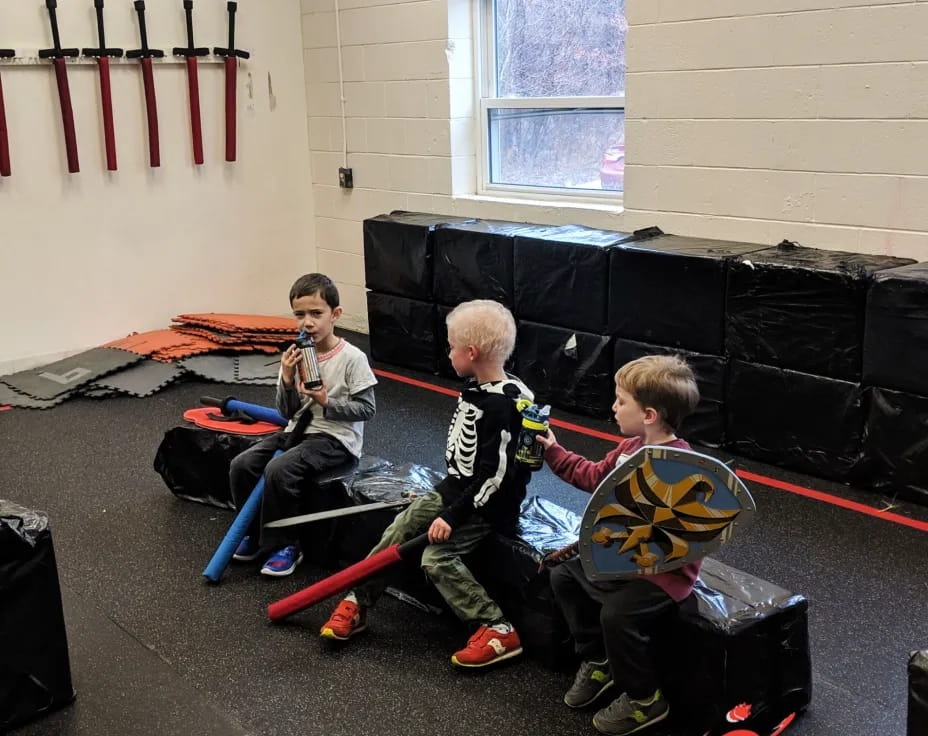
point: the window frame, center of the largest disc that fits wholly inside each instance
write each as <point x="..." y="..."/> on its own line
<point x="485" y="103"/>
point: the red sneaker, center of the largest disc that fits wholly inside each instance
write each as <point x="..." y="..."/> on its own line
<point x="488" y="646"/>
<point x="346" y="620"/>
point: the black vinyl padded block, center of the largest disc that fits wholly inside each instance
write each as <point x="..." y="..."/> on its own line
<point x="35" y="671"/>
<point x="895" y="449"/>
<point x="896" y="332"/>
<point x="568" y="369"/>
<point x="475" y="261"/>
<point x="801" y="308"/>
<point x="670" y="290"/>
<point x="399" y="250"/>
<point x="403" y="331"/>
<point x="561" y="276"/>
<point x="795" y="420"/>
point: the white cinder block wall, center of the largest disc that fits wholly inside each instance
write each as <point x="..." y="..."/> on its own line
<point x="772" y="119"/>
<point x="758" y="121"/>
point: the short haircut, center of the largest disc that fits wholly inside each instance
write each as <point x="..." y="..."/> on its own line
<point x="485" y="324"/>
<point x="315" y="283"/>
<point x="664" y="383"/>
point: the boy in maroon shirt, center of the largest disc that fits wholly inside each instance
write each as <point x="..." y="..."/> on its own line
<point x="611" y="621"/>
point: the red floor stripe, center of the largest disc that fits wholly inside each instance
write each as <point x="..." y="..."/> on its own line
<point x="5" y="408"/>
<point x="834" y="500"/>
<point x="762" y="479"/>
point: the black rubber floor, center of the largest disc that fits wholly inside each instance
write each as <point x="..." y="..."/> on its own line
<point x="155" y="651"/>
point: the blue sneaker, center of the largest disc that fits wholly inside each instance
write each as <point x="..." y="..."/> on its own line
<point x="283" y="562"/>
<point x="247" y="550"/>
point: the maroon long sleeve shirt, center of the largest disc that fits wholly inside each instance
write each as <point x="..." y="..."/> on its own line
<point x="587" y="475"/>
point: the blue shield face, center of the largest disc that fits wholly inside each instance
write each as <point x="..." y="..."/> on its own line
<point x="657" y="511"/>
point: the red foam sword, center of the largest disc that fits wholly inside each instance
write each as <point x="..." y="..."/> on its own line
<point x="102" y="55"/>
<point x="231" y="55"/>
<point x="4" y="137"/>
<point x="191" y="53"/>
<point x="58" y="55"/>
<point x="145" y="55"/>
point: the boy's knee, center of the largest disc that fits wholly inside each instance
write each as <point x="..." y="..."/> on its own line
<point x="560" y="578"/>
<point x="435" y="557"/>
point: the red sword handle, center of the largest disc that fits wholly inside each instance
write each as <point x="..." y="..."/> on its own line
<point x="151" y="106"/>
<point x="231" y="83"/>
<point x="196" y="130"/>
<point x="106" y="98"/>
<point x="4" y="139"/>
<point x="67" y="115"/>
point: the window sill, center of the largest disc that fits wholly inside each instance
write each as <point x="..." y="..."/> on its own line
<point x="580" y="206"/>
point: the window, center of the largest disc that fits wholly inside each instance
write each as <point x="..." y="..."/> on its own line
<point x="552" y="98"/>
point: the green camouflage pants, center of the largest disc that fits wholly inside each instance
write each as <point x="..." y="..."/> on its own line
<point x="441" y="562"/>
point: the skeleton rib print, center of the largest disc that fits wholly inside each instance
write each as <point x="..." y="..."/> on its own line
<point x="461" y="449"/>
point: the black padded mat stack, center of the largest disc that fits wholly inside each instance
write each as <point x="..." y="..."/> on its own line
<point x="795" y="331"/>
<point x="918" y="694"/>
<point x="35" y="673"/>
<point x="895" y="367"/>
<point x="399" y="268"/>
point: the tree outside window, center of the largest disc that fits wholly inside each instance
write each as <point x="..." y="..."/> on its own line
<point x="553" y="97"/>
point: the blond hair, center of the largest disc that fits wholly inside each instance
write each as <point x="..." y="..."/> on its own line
<point x="485" y="324"/>
<point x="664" y="383"/>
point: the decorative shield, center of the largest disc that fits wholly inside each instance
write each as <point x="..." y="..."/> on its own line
<point x="657" y="511"/>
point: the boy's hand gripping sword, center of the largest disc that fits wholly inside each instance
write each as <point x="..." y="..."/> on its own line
<point x="102" y="55"/>
<point x="57" y="55"/>
<point x="4" y="137"/>
<point x="145" y="55"/>
<point x="191" y="53"/>
<point x="231" y="54"/>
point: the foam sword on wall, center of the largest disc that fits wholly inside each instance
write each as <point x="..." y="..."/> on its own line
<point x="190" y="52"/>
<point x="4" y="137"/>
<point x="58" y="55"/>
<point x="145" y="55"/>
<point x="102" y="54"/>
<point x="231" y="55"/>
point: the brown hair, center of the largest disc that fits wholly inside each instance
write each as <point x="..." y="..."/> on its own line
<point x="664" y="383"/>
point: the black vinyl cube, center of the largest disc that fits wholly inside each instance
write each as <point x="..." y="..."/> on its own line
<point x="740" y="642"/>
<point x="896" y="332"/>
<point x="35" y="670"/>
<point x="918" y="694"/>
<point x="670" y="290"/>
<point x="801" y="308"/>
<point x="895" y="450"/>
<point x="562" y="276"/>
<point x="399" y="253"/>
<point x="402" y="331"/>
<point x="706" y="426"/>
<point x="795" y="420"/>
<point x="475" y="261"/>
<point x="568" y="369"/>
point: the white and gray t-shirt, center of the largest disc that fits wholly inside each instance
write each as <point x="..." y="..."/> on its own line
<point x="347" y="374"/>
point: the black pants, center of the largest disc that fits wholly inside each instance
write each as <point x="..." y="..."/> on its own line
<point x="288" y="480"/>
<point x="613" y="620"/>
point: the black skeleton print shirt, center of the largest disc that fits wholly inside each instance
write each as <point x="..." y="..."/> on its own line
<point x="483" y="475"/>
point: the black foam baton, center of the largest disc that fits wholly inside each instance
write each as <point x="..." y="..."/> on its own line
<point x="102" y="54"/>
<point x="58" y="55"/>
<point x="231" y="55"/>
<point x="193" y="83"/>
<point x="145" y="55"/>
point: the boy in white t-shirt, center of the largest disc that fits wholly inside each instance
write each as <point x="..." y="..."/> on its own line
<point x="334" y="435"/>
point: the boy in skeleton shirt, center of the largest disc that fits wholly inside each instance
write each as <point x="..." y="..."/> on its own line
<point x="482" y="492"/>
